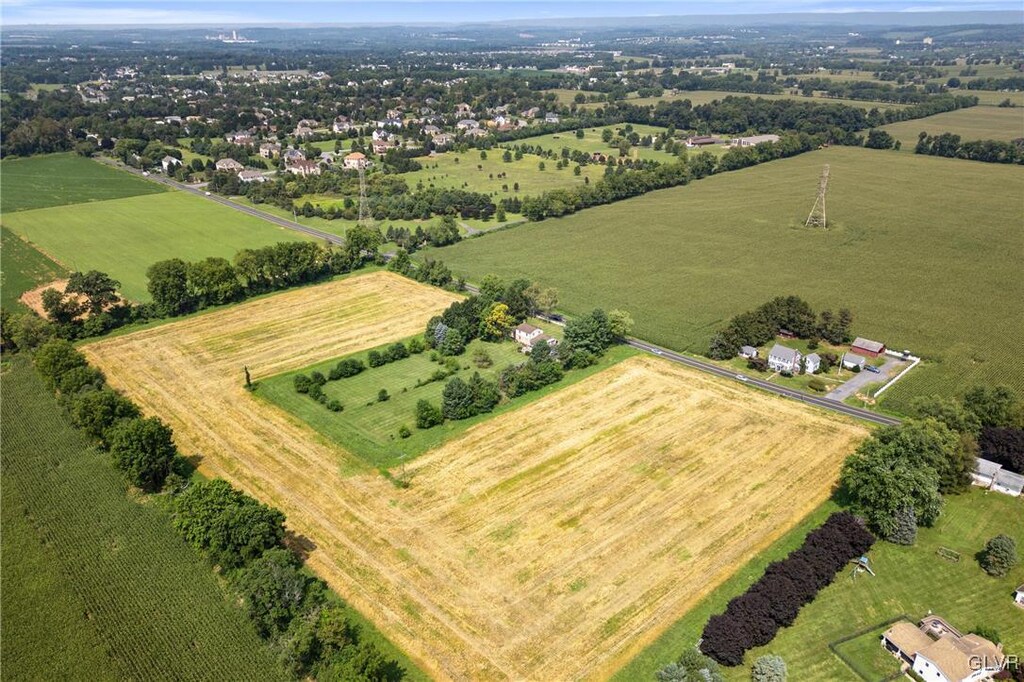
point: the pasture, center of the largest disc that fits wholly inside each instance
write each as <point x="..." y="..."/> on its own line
<point x="549" y="542"/>
<point x="453" y="170"/>
<point x="910" y="580"/>
<point x="22" y="269"/>
<point x="61" y="179"/>
<point x="973" y="123"/>
<point x="123" y="237"/>
<point x="96" y="585"/>
<point x="723" y="245"/>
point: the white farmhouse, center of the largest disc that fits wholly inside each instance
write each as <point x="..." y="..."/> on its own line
<point x="784" y="359"/>
<point x="812" y="363"/>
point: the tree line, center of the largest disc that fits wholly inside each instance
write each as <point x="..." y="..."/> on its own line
<point x="790" y="313"/>
<point x="773" y="602"/>
<point x="989" y="151"/>
<point x="309" y="628"/>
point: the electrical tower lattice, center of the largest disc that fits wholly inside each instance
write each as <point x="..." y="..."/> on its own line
<point x="817" y="215"/>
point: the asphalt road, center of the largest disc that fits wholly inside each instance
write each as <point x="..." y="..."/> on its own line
<point x="807" y="398"/>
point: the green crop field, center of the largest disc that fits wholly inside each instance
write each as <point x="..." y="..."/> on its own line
<point x="492" y="175"/>
<point x="22" y="268"/>
<point x="995" y="97"/>
<point x="592" y="142"/>
<point x="61" y="179"/>
<point x="684" y="260"/>
<point x="124" y="237"/>
<point x="97" y="585"/>
<point x="973" y="123"/>
<point x="909" y="580"/>
<point x="369" y="428"/>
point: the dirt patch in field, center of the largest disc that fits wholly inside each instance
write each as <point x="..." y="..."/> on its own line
<point x="33" y="298"/>
<point x="548" y="543"/>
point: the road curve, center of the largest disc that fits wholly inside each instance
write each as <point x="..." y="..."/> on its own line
<point x="672" y="356"/>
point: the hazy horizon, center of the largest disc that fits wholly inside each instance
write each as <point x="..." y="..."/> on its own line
<point x="258" y="13"/>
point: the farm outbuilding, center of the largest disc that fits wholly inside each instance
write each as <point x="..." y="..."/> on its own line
<point x="851" y="360"/>
<point x="992" y="476"/>
<point x="748" y="352"/>
<point x="867" y="347"/>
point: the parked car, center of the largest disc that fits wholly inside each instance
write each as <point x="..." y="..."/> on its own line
<point x="872" y="368"/>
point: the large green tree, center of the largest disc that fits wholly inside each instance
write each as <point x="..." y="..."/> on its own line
<point x="143" y="450"/>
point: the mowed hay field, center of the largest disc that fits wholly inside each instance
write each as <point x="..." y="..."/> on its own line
<point x="925" y="251"/>
<point x="551" y="542"/>
<point x="123" y="237"/>
<point x="61" y="179"/>
<point x="973" y="123"/>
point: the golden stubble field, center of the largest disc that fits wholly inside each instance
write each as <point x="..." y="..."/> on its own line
<point x="549" y="543"/>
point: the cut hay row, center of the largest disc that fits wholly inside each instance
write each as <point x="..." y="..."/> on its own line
<point x="550" y="542"/>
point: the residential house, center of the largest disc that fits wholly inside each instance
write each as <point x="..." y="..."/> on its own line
<point x="229" y="165"/>
<point x="381" y="146"/>
<point x="527" y="336"/>
<point x="390" y="123"/>
<point x="292" y="155"/>
<point x="992" y="476"/>
<point x="851" y="360"/>
<point x="303" y="167"/>
<point x="702" y="141"/>
<point x="239" y="137"/>
<point x="467" y="124"/>
<point x="463" y="109"/>
<point x="169" y="163"/>
<point x="443" y="139"/>
<point x="270" y="150"/>
<point x="431" y="130"/>
<point x="303" y="133"/>
<point x="356" y="161"/>
<point x="476" y="132"/>
<point x="328" y="157"/>
<point x="938" y="652"/>
<point x="784" y="359"/>
<point x="748" y="352"/>
<point x="1018" y="596"/>
<point x="867" y="347"/>
<point x="306" y="123"/>
<point x="551" y="117"/>
<point x="812" y="363"/>
<point x="380" y="134"/>
<point x="251" y="176"/>
<point x="753" y="140"/>
<point x="532" y="112"/>
<point x="342" y="124"/>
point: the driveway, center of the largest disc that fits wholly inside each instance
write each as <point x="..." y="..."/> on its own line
<point x="856" y="382"/>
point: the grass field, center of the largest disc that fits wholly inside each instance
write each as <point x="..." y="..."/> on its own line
<point x="487" y="178"/>
<point x="723" y="245"/>
<point x="865" y="655"/>
<point x="61" y="179"/>
<point x="592" y="142"/>
<point x="548" y="542"/>
<point x="95" y="584"/>
<point x="368" y="428"/>
<point x="973" y="123"/>
<point x="123" y="237"/>
<point x="910" y="580"/>
<point x="22" y="269"/>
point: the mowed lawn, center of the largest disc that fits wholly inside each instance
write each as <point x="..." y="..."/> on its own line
<point x="592" y="142"/>
<point x="909" y="580"/>
<point x="61" y="179"/>
<point x="973" y="123"/>
<point x="123" y="237"/>
<point x="22" y="268"/>
<point x="924" y="251"/>
<point x="453" y="170"/>
<point x="97" y="585"/>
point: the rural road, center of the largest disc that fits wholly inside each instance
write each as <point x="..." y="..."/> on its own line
<point x="833" y="405"/>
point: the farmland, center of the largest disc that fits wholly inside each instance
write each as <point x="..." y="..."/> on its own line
<point x="96" y="585"/>
<point x="61" y="179"/>
<point x="592" y="142"/>
<point x="909" y="580"/>
<point x="23" y="268"/>
<point x="974" y="123"/>
<point x="721" y="246"/>
<point x="367" y="428"/>
<point x="123" y="237"/>
<point x="545" y="502"/>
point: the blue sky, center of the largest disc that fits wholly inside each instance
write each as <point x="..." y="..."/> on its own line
<point x="278" y="12"/>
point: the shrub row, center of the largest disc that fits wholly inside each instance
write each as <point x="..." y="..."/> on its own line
<point x="753" y="618"/>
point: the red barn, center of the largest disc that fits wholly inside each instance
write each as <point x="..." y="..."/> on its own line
<point x="867" y="347"/>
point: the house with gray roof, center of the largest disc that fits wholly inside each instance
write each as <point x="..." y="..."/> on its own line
<point x="851" y="360"/>
<point x="812" y="363"/>
<point x="748" y="352"/>
<point x="784" y="359"/>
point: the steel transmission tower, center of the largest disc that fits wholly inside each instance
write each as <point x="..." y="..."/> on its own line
<point x="817" y="215"/>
